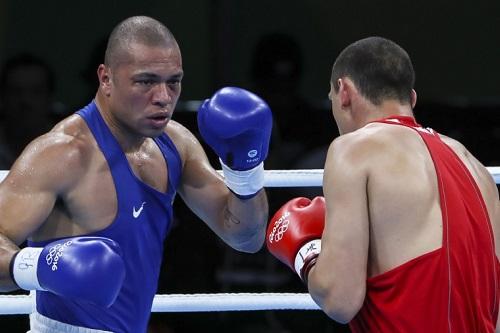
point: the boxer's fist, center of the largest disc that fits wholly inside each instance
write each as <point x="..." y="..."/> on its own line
<point x="294" y="233"/>
<point x="80" y="268"/>
<point x="237" y="125"/>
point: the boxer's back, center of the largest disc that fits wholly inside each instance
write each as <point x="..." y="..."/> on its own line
<point x="405" y="216"/>
<point x="407" y="190"/>
<point x="432" y="243"/>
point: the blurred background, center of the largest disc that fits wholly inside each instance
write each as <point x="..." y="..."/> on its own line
<point x="282" y="50"/>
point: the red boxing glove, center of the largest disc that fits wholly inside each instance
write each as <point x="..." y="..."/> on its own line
<point x="294" y="233"/>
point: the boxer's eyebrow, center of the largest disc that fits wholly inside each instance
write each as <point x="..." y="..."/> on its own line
<point x="157" y="77"/>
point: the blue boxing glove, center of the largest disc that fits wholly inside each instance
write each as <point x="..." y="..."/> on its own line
<point x="79" y="268"/>
<point x="237" y="125"/>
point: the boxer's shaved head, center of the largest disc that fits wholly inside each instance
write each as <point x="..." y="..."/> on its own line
<point x="136" y="30"/>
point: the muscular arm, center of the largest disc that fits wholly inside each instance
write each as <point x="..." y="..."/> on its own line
<point x="240" y="223"/>
<point x="338" y="280"/>
<point x="28" y="194"/>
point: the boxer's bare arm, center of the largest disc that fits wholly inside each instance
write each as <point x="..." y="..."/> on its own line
<point x="49" y="166"/>
<point x="337" y="281"/>
<point x="240" y="223"/>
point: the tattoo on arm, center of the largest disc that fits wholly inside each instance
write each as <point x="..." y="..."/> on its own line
<point x="230" y="219"/>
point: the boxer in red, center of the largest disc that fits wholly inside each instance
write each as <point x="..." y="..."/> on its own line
<point x="406" y="238"/>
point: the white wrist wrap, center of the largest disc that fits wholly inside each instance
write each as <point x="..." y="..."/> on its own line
<point x="24" y="269"/>
<point x="307" y="250"/>
<point x="244" y="182"/>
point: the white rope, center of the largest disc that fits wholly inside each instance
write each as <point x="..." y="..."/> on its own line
<point x="495" y="172"/>
<point x="314" y="177"/>
<point x="23" y="304"/>
<point x="293" y="178"/>
<point x="16" y="304"/>
<point x="300" y="178"/>
<point x="232" y="302"/>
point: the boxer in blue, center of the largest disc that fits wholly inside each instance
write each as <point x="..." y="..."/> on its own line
<point x="93" y="196"/>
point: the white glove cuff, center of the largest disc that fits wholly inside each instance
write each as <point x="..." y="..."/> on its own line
<point x="246" y="182"/>
<point x="307" y="250"/>
<point x="25" y="267"/>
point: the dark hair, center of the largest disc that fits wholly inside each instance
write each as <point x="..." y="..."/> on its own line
<point x="379" y="68"/>
<point x="136" y="29"/>
<point x="26" y="60"/>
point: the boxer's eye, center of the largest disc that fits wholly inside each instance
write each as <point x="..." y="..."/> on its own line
<point x="145" y="82"/>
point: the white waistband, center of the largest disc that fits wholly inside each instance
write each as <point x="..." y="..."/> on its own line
<point x="42" y="324"/>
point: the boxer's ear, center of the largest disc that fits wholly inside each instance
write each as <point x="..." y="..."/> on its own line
<point x="104" y="75"/>
<point x="346" y="88"/>
<point x="413" y="98"/>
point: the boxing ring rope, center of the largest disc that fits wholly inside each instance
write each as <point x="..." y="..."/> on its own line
<point x="302" y="178"/>
<point x="23" y="304"/>
<point x="314" y="177"/>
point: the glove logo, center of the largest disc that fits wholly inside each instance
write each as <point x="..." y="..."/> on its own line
<point x="55" y="253"/>
<point x="280" y="227"/>
<point x="253" y="156"/>
<point x="252" y="153"/>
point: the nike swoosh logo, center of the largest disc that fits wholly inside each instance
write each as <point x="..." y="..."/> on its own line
<point x="138" y="212"/>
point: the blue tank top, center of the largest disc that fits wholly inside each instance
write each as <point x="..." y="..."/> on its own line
<point x="142" y="222"/>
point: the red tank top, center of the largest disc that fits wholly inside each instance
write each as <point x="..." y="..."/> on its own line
<point x="453" y="288"/>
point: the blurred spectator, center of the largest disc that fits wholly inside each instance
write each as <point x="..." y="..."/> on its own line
<point x="89" y="72"/>
<point x="27" y="107"/>
<point x="298" y="126"/>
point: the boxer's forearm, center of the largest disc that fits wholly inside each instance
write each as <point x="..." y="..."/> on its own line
<point x="7" y="251"/>
<point x="245" y="222"/>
